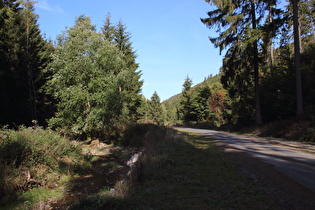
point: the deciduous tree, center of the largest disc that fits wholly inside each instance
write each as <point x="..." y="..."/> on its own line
<point x="88" y="75"/>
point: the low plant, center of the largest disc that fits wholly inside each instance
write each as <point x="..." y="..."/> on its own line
<point x="35" y="157"/>
<point x="287" y="129"/>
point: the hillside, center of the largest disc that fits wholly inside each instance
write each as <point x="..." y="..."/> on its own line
<point x="208" y="102"/>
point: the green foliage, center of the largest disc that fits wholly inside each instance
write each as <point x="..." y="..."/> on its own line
<point x="237" y="78"/>
<point x="30" y="146"/>
<point x="209" y="102"/>
<point x="91" y="81"/>
<point x="187" y="108"/>
<point x="201" y="103"/>
<point x="152" y="111"/>
<point x="244" y="26"/>
<point x="23" y="55"/>
<point x="156" y="109"/>
<point x="118" y="35"/>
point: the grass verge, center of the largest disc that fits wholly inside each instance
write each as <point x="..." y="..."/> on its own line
<point x="182" y="171"/>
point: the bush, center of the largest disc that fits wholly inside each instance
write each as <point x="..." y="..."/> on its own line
<point x="30" y="155"/>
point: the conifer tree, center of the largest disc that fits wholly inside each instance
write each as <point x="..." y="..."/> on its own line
<point x="25" y="54"/>
<point x="132" y="88"/>
<point x="201" y="103"/>
<point x="237" y="23"/>
<point x="297" y="60"/>
<point x="187" y="108"/>
<point x="108" y="29"/>
<point x="157" y="114"/>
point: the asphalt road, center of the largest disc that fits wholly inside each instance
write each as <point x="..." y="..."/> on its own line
<point x="293" y="159"/>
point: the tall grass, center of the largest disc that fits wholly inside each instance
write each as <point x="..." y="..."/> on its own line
<point x="154" y="143"/>
<point x="157" y="141"/>
<point x="32" y="157"/>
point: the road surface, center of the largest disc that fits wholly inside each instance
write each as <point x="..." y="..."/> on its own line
<point x="293" y="159"/>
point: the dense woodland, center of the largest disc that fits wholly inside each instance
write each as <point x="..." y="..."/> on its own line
<point x="87" y="82"/>
<point x="268" y="69"/>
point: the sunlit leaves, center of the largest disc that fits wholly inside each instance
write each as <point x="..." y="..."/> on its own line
<point x="88" y="75"/>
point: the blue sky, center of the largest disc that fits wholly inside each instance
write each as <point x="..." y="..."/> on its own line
<point x="170" y="40"/>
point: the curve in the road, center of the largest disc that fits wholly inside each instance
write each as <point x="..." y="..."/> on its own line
<point x="292" y="162"/>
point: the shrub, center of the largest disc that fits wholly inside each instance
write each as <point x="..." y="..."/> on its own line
<point x="29" y="156"/>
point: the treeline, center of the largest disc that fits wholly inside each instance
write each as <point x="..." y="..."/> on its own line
<point x="268" y="67"/>
<point x="207" y="102"/>
<point x="259" y="78"/>
<point x="86" y="84"/>
<point x="24" y="54"/>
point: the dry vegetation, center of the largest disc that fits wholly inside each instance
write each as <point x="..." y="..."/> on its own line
<point x="34" y="157"/>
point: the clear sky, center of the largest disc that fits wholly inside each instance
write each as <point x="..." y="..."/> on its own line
<point x="170" y="40"/>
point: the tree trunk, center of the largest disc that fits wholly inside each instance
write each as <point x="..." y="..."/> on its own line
<point x="271" y="58"/>
<point x="258" y="120"/>
<point x="296" y="32"/>
<point x="31" y="86"/>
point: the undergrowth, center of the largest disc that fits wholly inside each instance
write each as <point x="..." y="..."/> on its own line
<point x="288" y="129"/>
<point x="34" y="157"/>
<point x="303" y="131"/>
<point x="156" y="142"/>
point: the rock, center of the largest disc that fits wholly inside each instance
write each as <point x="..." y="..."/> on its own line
<point x="133" y="159"/>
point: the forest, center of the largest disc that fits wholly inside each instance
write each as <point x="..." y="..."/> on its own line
<point x="267" y="70"/>
<point x="86" y="84"/>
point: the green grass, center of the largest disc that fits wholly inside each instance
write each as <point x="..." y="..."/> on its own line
<point x="198" y="176"/>
<point x="184" y="171"/>
<point x="33" y="199"/>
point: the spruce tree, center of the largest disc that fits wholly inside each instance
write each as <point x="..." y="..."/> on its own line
<point x="132" y="88"/>
<point x="201" y="103"/>
<point x="238" y="25"/>
<point x="187" y="107"/>
<point x="25" y="54"/>
<point x="108" y="29"/>
<point x="157" y="114"/>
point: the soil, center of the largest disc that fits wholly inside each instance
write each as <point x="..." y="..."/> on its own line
<point x="286" y="193"/>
